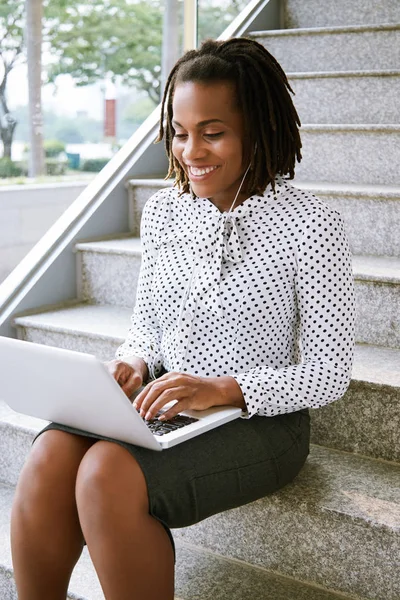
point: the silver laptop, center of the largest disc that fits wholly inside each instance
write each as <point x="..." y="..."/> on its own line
<point x="76" y="389"/>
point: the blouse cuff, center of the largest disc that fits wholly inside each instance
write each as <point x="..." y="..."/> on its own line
<point x="248" y="385"/>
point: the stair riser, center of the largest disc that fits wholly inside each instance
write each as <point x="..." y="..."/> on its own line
<point x="108" y="279"/>
<point x="378" y="314"/>
<point x="365" y="421"/>
<point x="138" y="196"/>
<point x="103" y="348"/>
<point x="372" y="224"/>
<point x="347" y="99"/>
<point x="320" y="544"/>
<point x="326" y="51"/>
<point x="359" y="157"/>
<point x="313" y="13"/>
<point x="15" y="444"/>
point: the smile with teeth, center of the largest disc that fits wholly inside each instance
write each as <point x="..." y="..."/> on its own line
<point x="196" y="171"/>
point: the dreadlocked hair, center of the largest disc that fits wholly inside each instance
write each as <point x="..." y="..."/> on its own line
<point x="272" y="143"/>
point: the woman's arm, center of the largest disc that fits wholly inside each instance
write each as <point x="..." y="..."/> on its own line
<point x="144" y="336"/>
<point x="326" y="306"/>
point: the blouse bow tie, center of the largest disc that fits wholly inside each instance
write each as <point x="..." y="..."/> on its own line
<point x="222" y="247"/>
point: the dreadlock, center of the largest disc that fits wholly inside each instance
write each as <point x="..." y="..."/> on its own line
<point x="262" y="94"/>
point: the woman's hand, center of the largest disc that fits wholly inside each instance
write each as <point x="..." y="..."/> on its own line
<point x="129" y="376"/>
<point x="190" y="391"/>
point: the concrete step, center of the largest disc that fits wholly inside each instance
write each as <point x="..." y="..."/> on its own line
<point x="358" y="154"/>
<point x="337" y="524"/>
<point x="313" y="13"/>
<point x="110" y="270"/>
<point x="199" y="574"/>
<point x="378" y="300"/>
<point x="371" y="212"/>
<point x="347" y="96"/>
<point x="344" y="48"/>
<point x="369" y="412"/>
<point x="139" y="191"/>
<point x="366" y="420"/>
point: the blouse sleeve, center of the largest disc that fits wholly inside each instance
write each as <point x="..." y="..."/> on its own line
<point x="144" y="335"/>
<point x="326" y="310"/>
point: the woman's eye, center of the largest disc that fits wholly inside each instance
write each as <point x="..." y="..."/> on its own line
<point x="180" y="136"/>
<point x="214" y="135"/>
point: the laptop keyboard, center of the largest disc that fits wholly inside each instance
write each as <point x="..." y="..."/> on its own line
<point x="162" y="427"/>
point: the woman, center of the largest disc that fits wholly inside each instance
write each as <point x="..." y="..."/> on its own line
<point x="245" y="298"/>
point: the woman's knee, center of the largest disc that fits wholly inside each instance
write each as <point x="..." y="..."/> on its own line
<point x="107" y="477"/>
<point x="51" y="467"/>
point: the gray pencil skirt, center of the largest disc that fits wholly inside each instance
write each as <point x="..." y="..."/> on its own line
<point x="227" y="467"/>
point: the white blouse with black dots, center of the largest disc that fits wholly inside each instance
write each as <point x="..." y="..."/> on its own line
<point x="263" y="294"/>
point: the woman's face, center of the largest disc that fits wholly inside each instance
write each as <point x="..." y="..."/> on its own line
<point x="208" y="140"/>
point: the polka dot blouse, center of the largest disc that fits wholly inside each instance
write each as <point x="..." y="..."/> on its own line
<point x="263" y="293"/>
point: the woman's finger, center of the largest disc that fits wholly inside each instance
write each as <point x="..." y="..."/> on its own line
<point x="179" y="407"/>
<point x="156" y="387"/>
<point x="132" y="384"/>
<point x="154" y="403"/>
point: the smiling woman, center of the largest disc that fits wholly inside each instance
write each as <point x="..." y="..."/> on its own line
<point x="208" y="140"/>
<point x="245" y="298"/>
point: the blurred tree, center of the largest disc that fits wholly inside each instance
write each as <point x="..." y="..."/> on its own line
<point x="33" y="31"/>
<point x="11" y="52"/>
<point x="106" y="38"/>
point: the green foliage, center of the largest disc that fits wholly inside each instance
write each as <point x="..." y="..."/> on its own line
<point x="53" y="148"/>
<point x="106" y="37"/>
<point x="94" y="165"/>
<point x="12" y="14"/>
<point x="8" y="168"/>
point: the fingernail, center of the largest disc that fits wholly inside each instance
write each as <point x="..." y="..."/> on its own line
<point x="148" y="416"/>
<point x="134" y="405"/>
<point x="162" y="418"/>
<point x="142" y="413"/>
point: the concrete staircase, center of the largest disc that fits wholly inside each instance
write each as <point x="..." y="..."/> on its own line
<point x="335" y="532"/>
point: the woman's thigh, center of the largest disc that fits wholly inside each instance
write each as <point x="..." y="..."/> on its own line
<point x="224" y="468"/>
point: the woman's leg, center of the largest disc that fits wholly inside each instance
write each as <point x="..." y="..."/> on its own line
<point x="46" y="537"/>
<point x="131" y="551"/>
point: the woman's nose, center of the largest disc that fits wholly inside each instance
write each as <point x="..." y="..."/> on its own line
<point x="193" y="150"/>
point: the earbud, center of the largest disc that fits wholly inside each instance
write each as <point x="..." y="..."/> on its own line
<point x="255" y="149"/>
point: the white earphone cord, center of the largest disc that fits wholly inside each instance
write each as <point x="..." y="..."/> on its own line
<point x="240" y="187"/>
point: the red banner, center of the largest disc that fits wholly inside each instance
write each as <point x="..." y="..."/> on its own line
<point x="110" y="119"/>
